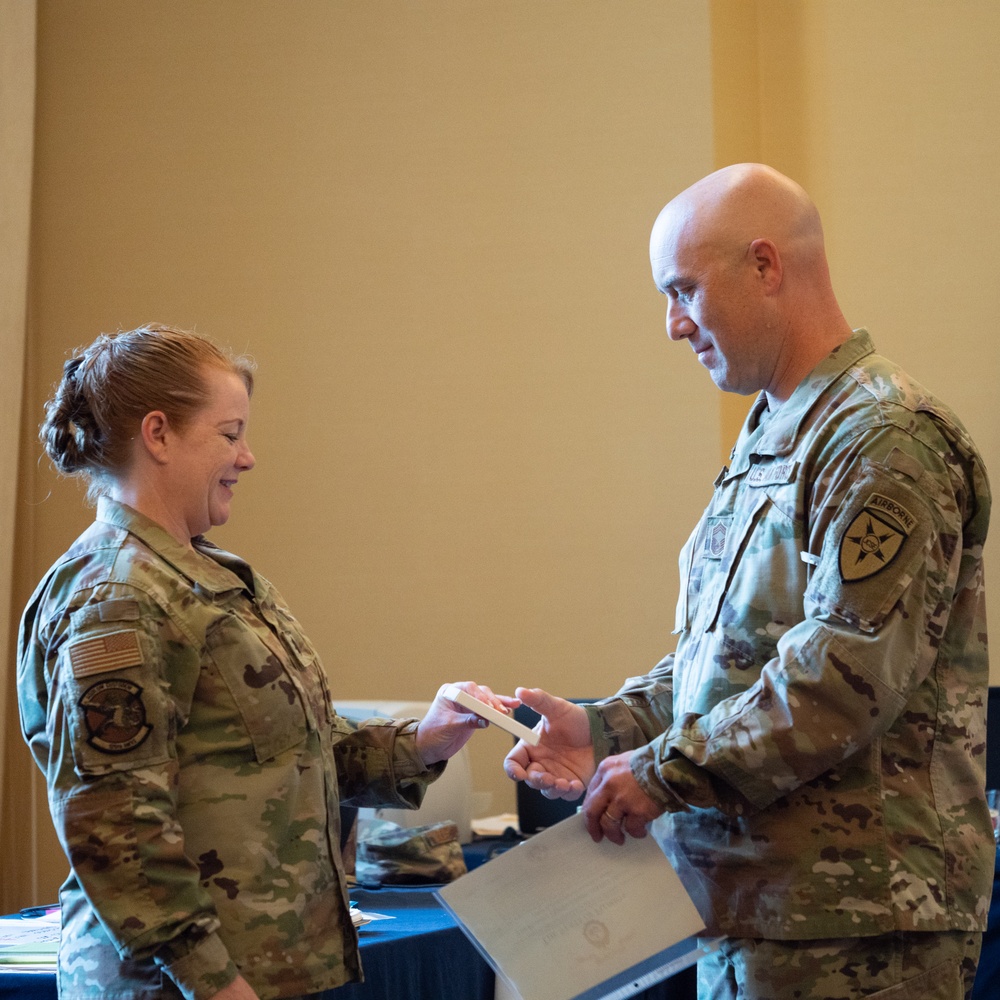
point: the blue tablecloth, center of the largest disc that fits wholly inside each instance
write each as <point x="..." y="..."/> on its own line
<point x="421" y="952"/>
<point x="418" y="953"/>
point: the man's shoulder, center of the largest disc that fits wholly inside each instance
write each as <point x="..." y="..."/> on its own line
<point x="874" y="393"/>
<point x="886" y="395"/>
<point x="885" y="381"/>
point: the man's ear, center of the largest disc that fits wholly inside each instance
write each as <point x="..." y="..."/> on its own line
<point x="154" y="432"/>
<point x="767" y="261"/>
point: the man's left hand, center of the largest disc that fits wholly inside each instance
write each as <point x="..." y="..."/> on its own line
<point x="615" y="804"/>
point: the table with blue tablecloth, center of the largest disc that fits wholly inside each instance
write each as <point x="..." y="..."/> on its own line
<point x="419" y="953"/>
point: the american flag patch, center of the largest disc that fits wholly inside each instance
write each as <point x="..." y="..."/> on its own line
<point x="115" y="651"/>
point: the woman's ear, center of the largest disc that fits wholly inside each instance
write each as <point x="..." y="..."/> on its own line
<point x="154" y="433"/>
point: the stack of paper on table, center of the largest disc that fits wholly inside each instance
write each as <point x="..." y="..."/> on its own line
<point x="30" y="944"/>
<point x="560" y="917"/>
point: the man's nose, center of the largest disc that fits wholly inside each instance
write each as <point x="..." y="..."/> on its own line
<point x="679" y="323"/>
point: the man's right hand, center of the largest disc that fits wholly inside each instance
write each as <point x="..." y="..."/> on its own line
<point x="562" y="764"/>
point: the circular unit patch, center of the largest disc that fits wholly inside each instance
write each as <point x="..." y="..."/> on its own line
<point x="115" y="716"/>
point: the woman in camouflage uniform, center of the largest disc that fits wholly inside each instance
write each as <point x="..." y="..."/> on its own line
<point x="194" y="762"/>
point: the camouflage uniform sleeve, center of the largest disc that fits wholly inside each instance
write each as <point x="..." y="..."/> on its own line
<point x="378" y="764"/>
<point x="886" y="525"/>
<point x="636" y="716"/>
<point x="640" y="711"/>
<point x="114" y="796"/>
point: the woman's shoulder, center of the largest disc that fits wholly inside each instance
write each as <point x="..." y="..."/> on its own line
<point x="106" y="563"/>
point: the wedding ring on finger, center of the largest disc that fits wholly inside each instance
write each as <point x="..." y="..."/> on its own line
<point x="617" y="820"/>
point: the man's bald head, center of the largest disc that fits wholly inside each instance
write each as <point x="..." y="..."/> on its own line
<point x="730" y="208"/>
<point x="740" y="257"/>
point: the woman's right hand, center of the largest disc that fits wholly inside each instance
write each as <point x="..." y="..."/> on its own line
<point x="238" y="989"/>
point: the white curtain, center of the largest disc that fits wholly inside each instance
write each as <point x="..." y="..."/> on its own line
<point x="17" y="120"/>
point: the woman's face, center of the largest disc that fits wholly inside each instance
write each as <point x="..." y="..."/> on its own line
<point x="211" y="453"/>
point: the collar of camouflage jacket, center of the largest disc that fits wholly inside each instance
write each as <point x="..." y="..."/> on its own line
<point x="207" y="566"/>
<point x="780" y="431"/>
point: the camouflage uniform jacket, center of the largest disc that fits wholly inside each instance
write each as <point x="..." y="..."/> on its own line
<point x="817" y="738"/>
<point x="195" y="768"/>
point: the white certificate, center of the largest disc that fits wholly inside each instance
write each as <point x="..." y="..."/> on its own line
<point x="560" y="917"/>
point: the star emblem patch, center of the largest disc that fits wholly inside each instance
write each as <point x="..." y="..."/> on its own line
<point x="873" y="539"/>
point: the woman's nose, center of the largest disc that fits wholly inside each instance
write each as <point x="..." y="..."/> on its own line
<point x="246" y="459"/>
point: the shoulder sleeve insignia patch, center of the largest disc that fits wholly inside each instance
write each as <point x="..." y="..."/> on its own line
<point x="115" y="716"/>
<point x="874" y="538"/>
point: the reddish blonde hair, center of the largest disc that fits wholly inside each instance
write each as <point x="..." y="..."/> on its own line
<point x="108" y="388"/>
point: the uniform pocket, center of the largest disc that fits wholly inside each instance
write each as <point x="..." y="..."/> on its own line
<point x="305" y="669"/>
<point x="740" y="541"/>
<point x="943" y="982"/>
<point x="257" y="678"/>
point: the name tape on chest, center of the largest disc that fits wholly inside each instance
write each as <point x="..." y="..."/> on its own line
<point x="772" y="474"/>
<point x="104" y="653"/>
<point x="874" y="538"/>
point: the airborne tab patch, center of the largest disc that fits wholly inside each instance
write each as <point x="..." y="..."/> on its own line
<point x="104" y="653"/>
<point x="895" y="510"/>
<point x="874" y="538"/>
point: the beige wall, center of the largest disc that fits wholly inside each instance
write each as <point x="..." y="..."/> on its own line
<point x="894" y="126"/>
<point x="476" y="455"/>
<point x="477" y="452"/>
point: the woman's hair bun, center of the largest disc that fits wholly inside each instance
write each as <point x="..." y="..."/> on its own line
<point x="69" y="433"/>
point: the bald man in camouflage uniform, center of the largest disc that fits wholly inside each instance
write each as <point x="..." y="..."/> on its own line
<point x="195" y="769"/>
<point x="812" y="753"/>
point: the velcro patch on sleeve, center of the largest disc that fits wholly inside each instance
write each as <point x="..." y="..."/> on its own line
<point x="120" y="610"/>
<point x="104" y="653"/>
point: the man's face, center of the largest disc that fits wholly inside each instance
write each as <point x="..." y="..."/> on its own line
<point x="713" y="301"/>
